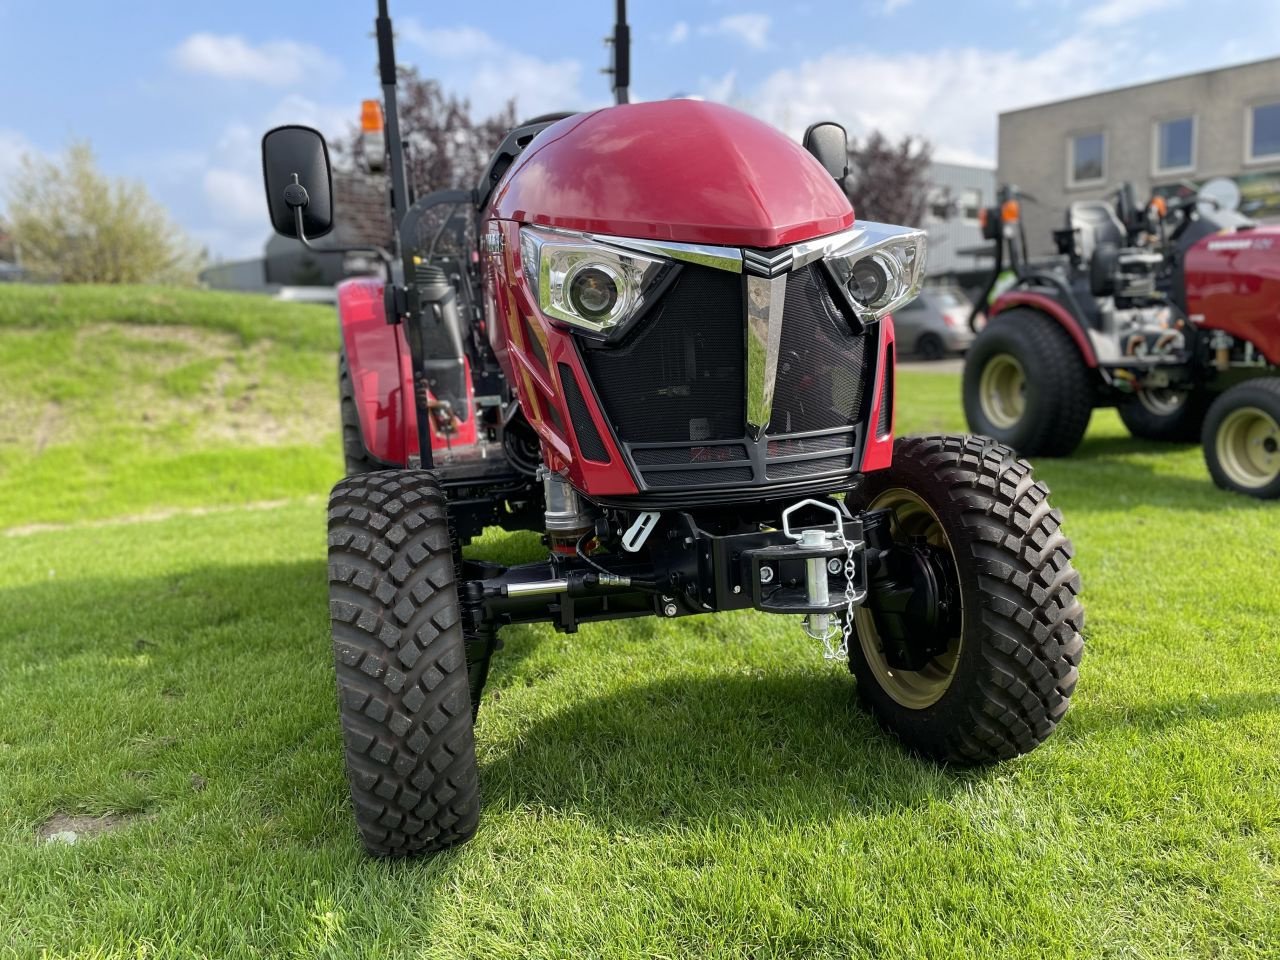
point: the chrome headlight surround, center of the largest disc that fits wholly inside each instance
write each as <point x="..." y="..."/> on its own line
<point x="552" y="259"/>
<point x="898" y="253"/>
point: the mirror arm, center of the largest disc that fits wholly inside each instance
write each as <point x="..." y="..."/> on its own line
<point x="378" y="252"/>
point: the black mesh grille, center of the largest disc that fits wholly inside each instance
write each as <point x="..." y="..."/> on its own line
<point x="584" y="427"/>
<point x="680" y="376"/>
<point x="679" y="381"/>
<point x="671" y="455"/>
<point x="534" y="344"/>
<point x="799" y="445"/>
<point x="697" y="478"/>
<point x="808" y="468"/>
<point x="822" y="364"/>
<point x="885" y="420"/>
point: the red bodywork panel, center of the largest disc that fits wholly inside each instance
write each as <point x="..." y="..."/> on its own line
<point x="382" y="377"/>
<point x="682" y="170"/>
<point x="877" y="454"/>
<point x="1233" y="281"/>
<point x="1048" y="305"/>
<point x="515" y="323"/>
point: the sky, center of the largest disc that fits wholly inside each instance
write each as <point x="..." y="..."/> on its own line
<point x="178" y="94"/>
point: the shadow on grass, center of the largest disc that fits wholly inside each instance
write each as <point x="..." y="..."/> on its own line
<point x="792" y="747"/>
<point x="236" y="684"/>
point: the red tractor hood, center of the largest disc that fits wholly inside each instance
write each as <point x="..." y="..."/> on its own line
<point x="682" y="170"/>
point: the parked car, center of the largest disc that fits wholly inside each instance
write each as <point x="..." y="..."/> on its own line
<point x="10" y="272"/>
<point x="935" y="324"/>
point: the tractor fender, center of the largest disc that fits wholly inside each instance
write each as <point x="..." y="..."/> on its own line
<point x="1050" y="308"/>
<point x="381" y="372"/>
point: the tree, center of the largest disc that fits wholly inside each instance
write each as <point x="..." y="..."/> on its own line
<point x="77" y="225"/>
<point x="448" y="148"/>
<point x="890" y="183"/>
<point x="7" y="250"/>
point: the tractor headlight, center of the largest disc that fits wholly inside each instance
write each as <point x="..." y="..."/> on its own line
<point x="879" y="268"/>
<point x="588" y="285"/>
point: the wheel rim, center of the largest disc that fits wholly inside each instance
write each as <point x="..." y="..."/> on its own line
<point x="913" y="689"/>
<point x="1162" y="402"/>
<point x="1002" y="390"/>
<point x="1248" y="447"/>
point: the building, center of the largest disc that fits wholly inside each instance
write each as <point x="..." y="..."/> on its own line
<point x="1155" y="136"/>
<point x="957" y="252"/>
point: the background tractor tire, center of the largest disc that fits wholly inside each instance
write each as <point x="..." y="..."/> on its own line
<point x="1007" y="676"/>
<point x="1165" y="415"/>
<point x="354" y="455"/>
<point x="1242" y="439"/>
<point x="1026" y="385"/>
<point x="400" y="652"/>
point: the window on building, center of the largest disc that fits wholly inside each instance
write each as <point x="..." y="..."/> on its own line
<point x="1176" y="145"/>
<point x="1087" y="159"/>
<point x="1264" y="132"/>
<point x="970" y="203"/>
<point x="940" y="203"/>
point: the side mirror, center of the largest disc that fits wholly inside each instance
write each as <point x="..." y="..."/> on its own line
<point x="299" y="181"/>
<point x="830" y="144"/>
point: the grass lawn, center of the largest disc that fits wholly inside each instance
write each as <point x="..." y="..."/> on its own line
<point x="702" y="788"/>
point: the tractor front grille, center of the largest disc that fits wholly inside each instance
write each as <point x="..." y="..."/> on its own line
<point x="674" y="391"/>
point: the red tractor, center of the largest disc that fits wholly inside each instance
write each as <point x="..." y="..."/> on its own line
<point x="655" y="333"/>
<point x="1170" y="313"/>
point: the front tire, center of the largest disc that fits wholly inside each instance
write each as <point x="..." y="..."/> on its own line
<point x="1173" y="416"/>
<point x="1242" y="439"/>
<point x="1006" y="677"/>
<point x="398" y="644"/>
<point x="1026" y="385"/>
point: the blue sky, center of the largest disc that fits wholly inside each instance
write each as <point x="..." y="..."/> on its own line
<point x="177" y="94"/>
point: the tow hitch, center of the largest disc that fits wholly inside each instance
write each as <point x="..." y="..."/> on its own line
<point x="820" y="575"/>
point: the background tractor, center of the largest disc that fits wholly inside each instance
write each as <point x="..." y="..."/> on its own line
<point x="1168" y="312"/>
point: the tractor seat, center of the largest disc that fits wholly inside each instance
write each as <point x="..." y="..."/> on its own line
<point x="1093" y="223"/>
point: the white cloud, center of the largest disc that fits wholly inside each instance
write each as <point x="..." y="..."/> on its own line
<point x="950" y="96"/>
<point x="889" y="7"/>
<point x="1113" y="13"/>
<point x="722" y="89"/>
<point x="751" y="29"/>
<point x="679" y="32"/>
<point x="275" y="63"/>
<point x="235" y="197"/>
<point x="489" y="73"/>
<point x="454" y="43"/>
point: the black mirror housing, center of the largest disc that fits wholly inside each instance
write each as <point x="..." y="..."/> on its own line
<point x="295" y="156"/>
<point x="830" y="144"/>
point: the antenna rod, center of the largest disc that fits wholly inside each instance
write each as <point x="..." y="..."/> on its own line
<point x="395" y="146"/>
<point x="621" y="57"/>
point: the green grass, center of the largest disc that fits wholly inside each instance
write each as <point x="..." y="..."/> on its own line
<point x="121" y="401"/>
<point x="698" y="788"/>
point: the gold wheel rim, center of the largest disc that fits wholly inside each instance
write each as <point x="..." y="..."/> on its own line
<point x="913" y="689"/>
<point x="1248" y="447"/>
<point x="1002" y="391"/>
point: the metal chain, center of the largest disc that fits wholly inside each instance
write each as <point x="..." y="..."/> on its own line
<point x="837" y="629"/>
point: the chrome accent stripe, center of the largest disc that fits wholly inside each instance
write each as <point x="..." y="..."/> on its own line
<point x="765" y="264"/>
<point x="766" y="298"/>
<point x="811" y="250"/>
<point x="717" y="258"/>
